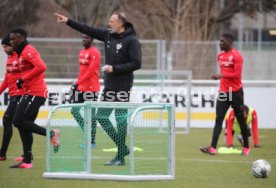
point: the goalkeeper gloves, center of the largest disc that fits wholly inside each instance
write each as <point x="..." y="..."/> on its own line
<point x="19" y="83"/>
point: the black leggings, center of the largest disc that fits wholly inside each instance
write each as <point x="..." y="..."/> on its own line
<point x="24" y="117"/>
<point x="224" y="101"/>
<point x="7" y="123"/>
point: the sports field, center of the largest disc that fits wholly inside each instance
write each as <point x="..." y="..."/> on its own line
<point x="193" y="169"/>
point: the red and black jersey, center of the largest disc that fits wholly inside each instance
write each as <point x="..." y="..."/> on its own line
<point x="88" y="78"/>
<point x="230" y="64"/>
<point x="33" y="69"/>
<point x="13" y="73"/>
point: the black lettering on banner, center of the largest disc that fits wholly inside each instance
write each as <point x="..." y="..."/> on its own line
<point x="195" y="95"/>
<point x="197" y="100"/>
<point x="146" y="98"/>
<point x="53" y="99"/>
<point x="179" y="100"/>
<point x="65" y="98"/>
<point x="210" y="100"/>
<point x="165" y="98"/>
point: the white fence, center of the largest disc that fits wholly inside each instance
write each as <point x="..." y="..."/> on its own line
<point x="61" y="57"/>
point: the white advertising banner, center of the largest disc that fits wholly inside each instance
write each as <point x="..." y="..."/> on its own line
<point x="202" y="103"/>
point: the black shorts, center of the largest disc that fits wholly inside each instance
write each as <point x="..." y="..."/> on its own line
<point x="27" y="109"/>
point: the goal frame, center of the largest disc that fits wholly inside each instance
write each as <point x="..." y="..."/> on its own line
<point x="88" y="173"/>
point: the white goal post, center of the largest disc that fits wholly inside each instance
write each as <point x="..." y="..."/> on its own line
<point x="151" y="156"/>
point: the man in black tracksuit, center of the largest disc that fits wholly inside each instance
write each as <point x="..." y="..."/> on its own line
<point x="123" y="56"/>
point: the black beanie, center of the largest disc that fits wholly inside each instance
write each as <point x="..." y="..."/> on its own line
<point x="6" y="40"/>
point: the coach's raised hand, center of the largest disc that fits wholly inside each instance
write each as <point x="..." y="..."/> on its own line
<point x="61" y="18"/>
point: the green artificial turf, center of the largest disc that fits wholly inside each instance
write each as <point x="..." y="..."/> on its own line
<point x="193" y="168"/>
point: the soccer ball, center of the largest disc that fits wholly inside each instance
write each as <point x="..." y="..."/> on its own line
<point x="261" y="168"/>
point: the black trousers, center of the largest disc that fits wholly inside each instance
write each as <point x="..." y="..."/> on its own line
<point x="224" y="101"/>
<point x="24" y="117"/>
<point x="7" y="124"/>
<point x="80" y="97"/>
<point x="118" y="136"/>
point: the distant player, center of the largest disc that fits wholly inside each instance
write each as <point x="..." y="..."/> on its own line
<point x="87" y="86"/>
<point x="12" y="74"/>
<point x="34" y="91"/>
<point x="230" y="92"/>
<point x="232" y="126"/>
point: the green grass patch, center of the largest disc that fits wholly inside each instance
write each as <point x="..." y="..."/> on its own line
<point x="193" y="168"/>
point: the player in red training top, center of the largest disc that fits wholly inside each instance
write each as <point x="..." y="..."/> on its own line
<point x="12" y="74"/>
<point x="232" y="126"/>
<point x="87" y="86"/>
<point x="34" y="94"/>
<point x="230" y="91"/>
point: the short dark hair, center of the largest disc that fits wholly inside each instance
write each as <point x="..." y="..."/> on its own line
<point x="21" y="31"/>
<point x="6" y="40"/>
<point x="121" y="16"/>
<point x="245" y="109"/>
<point x="228" y="36"/>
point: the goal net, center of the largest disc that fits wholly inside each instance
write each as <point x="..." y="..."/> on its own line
<point x="166" y="86"/>
<point x="129" y="131"/>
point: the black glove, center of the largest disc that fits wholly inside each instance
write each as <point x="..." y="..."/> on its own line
<point x="19" y="83"/>
<point x="73" y="90"/>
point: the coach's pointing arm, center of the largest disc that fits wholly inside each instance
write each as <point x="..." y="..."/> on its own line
<point x="96" y="33"/>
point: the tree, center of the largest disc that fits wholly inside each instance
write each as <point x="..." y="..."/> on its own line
<point x="170" y="20"/>
<point x="94" y="12"/>
<point x="17" y="13"/>
<point x="190" y="20"/>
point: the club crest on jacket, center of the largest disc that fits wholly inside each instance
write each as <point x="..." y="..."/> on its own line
<point x="118" y="47"/>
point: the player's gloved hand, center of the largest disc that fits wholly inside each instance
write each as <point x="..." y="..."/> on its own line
<point x="73" y="90"/>
<point x="74" y="87"/>
<point x="19" y="83"/>
<point x="257" y="146"/>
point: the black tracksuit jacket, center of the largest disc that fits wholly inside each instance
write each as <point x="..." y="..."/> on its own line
<point x="122" y="51"/>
